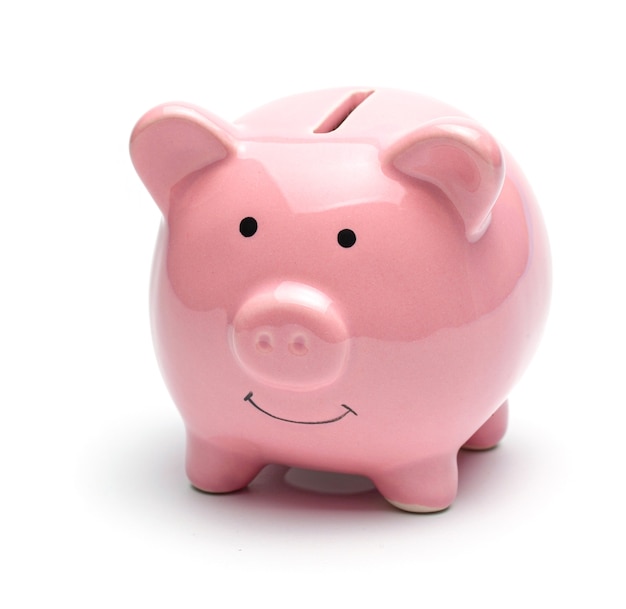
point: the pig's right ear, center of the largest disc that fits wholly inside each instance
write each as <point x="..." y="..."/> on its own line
<point x="171" y="142"/>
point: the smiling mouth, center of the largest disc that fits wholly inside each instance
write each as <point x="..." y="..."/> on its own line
<point x="347" y="410"/>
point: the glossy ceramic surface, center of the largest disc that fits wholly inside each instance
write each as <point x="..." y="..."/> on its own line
<point x="347" y="280"/>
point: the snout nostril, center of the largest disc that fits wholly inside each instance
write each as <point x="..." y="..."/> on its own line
<point x="264" y="343"/>
<point x="298" y="346"/>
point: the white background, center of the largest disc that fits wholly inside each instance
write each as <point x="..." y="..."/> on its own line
<point x="95" y="508"/>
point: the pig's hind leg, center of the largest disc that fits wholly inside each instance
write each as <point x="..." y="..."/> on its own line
<point x="491" y="431"/>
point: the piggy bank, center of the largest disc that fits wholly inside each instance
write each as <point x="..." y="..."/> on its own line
<point x="348" y="280"/>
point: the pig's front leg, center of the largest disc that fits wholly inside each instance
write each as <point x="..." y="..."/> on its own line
<point x="429" y="485"/>
<point x="221" y="465"/>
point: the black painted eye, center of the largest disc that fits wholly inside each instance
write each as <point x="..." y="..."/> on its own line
<point x="248" y="226"/>
<point x="346" y="237"/>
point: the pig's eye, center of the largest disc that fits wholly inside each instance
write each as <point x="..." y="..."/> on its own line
<point x="248" y="226"/>
<point x="346" y="237"/>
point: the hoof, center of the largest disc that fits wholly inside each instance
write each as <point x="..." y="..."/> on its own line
<point x="417" y="509"/>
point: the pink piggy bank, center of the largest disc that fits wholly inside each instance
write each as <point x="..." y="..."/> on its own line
<point x="347" y="280"/>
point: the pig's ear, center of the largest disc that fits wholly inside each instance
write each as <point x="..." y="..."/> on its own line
<point x="174" y="140"/>
<point x="462" y="160"/>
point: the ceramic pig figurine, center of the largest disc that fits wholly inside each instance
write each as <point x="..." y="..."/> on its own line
<point x="347" y="280"/>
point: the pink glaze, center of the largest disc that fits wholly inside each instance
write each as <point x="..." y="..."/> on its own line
<point x="348" y="280"/>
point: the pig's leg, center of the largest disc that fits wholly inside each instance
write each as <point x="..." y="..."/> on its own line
<point x="426" y="486"/>
<point x="220" y="465"/>
<point x="491" y="432"/>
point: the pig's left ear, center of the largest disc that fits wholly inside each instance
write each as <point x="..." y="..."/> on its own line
<point x="462" y="160"/>
<point x="171" y="142"/>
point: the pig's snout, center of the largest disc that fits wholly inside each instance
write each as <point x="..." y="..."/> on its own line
<point x="291" y="336"/>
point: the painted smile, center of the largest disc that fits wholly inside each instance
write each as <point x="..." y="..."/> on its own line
<point x="347" y="410"/>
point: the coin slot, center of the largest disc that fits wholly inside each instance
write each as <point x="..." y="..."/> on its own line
<point x="338" y="116"/>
